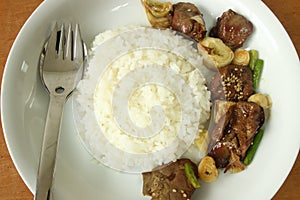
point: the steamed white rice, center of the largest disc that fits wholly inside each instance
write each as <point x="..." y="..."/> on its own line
<point x="143" y="98"/>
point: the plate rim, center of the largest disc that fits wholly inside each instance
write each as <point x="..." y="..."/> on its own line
<point x="3" y="89"/>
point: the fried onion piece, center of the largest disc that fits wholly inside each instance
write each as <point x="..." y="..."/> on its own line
<point x="158" y="13"/>
<point x="217" y="50"/>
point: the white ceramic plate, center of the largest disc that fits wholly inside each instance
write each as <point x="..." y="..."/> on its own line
<point x="78" y="175"/>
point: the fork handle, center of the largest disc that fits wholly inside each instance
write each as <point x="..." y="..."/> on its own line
<point x="49" y="147"/>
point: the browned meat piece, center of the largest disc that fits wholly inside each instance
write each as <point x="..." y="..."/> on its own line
<point x="169" y="182"/>
<point x="234" y="133"/>
<point x="233" y="83"/>
<point x="232" y="28"/>
<point x="188" y="19"/>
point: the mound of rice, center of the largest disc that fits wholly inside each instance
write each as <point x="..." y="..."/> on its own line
<point x="143" y="98"/>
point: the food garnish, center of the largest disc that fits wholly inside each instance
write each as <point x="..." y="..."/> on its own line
<point x="253" y="58"/>
<point x="256" y="65"/>
<point x="253" y="148"/>
<point x="207" y="169"/>
<point x="158" y="13"/>
<point x="241" y="57"/>
<point x="261" y="99"/>
<point x="190" y="174"/>
<point x="217" y="50"/>
<point x="257" y="71"/>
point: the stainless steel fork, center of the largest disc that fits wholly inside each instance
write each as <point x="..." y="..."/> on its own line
<point x="61" y="68"/>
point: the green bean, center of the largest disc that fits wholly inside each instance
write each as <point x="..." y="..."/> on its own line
<point x="252" y="149"/>
<point x="191" y="175"/>
<point x="258" y="68"/>
<point x="253" y="58"/>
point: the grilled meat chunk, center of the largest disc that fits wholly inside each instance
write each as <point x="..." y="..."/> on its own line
<point x="233" y="83"/>
<point x="188" y="20"/>
<point x="234" y="133"/>
<point x="169" y="182"/>
<point x="232" y="28"/>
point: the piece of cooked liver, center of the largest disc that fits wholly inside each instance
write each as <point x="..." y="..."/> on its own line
<point x="169" y="181"/>
<point x="182" y="20"/>
<point x="233" y="134"/>
<point x="232" y="28"/>
<point x="232" y="83"/>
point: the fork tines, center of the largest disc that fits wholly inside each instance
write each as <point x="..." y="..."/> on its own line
<point x="67" y="42"/>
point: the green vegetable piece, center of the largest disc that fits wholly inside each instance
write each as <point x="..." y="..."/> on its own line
<point x="252" y="149"/>
<point x="257" y="73"/>
<point x="191" y="175"/>
<point x="253" y="58"/>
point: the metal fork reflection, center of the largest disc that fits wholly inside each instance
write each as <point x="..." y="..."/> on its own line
<point x="61" y="68"/>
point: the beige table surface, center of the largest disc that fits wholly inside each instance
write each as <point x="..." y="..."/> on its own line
<point x="13" y="14"/>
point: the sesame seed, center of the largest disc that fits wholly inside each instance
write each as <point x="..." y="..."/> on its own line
<point x="174" y="190"/>
<point x="184" y="195"/>
<point x="182" y="191"/>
